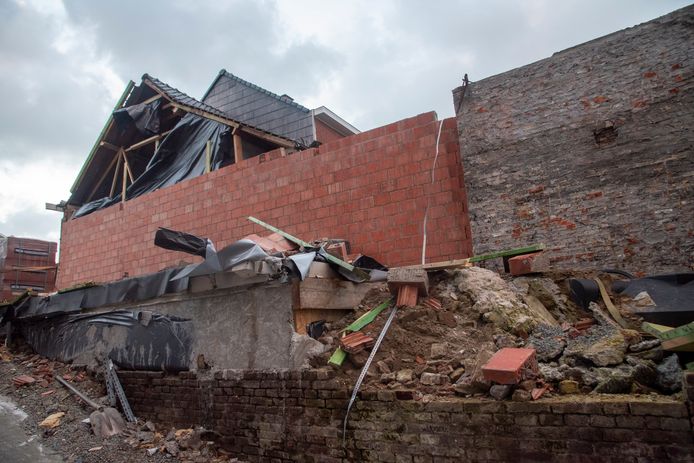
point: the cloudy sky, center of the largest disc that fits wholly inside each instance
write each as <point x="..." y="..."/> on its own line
<point x="63" y="65"/>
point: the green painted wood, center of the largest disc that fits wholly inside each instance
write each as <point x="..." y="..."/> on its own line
<point x="338" y="357"/>
<point x="329" y="257"/>
<point x="369" y="316"/>
<point x="508" y="253"/>
<point x="679" y="331"/>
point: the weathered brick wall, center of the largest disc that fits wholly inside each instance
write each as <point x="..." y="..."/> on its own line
<point x="371" y="188"/>
<point x="535" y="173"/>
<point x="297" y="416"/>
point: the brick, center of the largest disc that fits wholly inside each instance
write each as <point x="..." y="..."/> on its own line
<point x="506" y="366"/>
<point x="529" y="263"/>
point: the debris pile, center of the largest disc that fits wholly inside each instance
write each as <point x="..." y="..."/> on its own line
<point x="187" y="445"/>
<point x="62" y="421"/>
<point x="473" y="319"/>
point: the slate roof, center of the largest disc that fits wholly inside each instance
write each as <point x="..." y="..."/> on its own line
<point x="181" y="98"/>
<point x="242" y="100"/>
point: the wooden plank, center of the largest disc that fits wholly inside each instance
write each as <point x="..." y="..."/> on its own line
<point x="147" y="141"/>
<point x="238" y="148"/>
<point x="508" y="253"/>
<point x="325" y="294"/>
<point x="655" y="329"/>
<point x="126" y="164"/>
<point x="110" y="146"/>
<point x="208" y="156"/>
<point x="329" y="257"/>
<point x="679" y="331"/>
<point x="115" y="177"/>
<point x="125" y="183"/>
<point x="338" y="357"/>
<point x="369" y="316"/>
<point x="681" y="344"/>
<point x="102" y="178"/>
<point x="456" y="263"/>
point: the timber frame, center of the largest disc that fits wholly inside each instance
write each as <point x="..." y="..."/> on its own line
<point x="111" y="157"/>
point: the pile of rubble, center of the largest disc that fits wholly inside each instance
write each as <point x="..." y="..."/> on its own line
<point x="440" y="346"/>
<point x="61" y="421"/>
<point x="188" y="445"/>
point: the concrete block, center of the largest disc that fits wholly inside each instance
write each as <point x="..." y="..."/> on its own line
<point x="408" y="276"/>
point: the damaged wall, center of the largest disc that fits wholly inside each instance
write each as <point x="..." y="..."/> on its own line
<point x="371" y="188"/>
<point x="253" y="324"/>
<point x="297" y="416"/>
<point x="588" y="151"/>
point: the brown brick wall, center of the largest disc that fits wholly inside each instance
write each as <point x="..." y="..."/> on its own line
<point x="297" y="416"/>
<point x="535" y="171"/>
<point x="325" y="134"/>
<point x="370" y="188"/>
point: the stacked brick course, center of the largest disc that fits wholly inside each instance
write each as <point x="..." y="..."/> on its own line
<point x="589" y="151"/>
<point x="297" y="416"/>
<point x="371" y="188"/>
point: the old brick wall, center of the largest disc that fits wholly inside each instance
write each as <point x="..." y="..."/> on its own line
<point x="297" y="416"/>
<point x="371" y="188"/>
<point x="536" y="172"/>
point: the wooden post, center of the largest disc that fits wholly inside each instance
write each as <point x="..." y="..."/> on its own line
<point x="126" y="166"/>
<point x="208" y="156"/>
<point x="115" y="176"/>
<point x="125" y="181"/>
<point x="238" y="148"/>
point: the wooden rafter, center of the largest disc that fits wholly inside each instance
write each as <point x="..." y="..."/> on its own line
<point x="147" y="141"/>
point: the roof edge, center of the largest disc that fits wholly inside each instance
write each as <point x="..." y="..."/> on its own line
<point x="334" y="121"/>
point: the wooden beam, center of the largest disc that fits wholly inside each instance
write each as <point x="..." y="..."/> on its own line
<point x="110" y="146"/>
<point x="126" y="164"/>
<point x="125" y="182"/>
<point x="147" y="141"/>
<point x="115" y="176"/>
<point x="101" y="179"/>
<point x="151" y="99"/>
<point x="208" y="156"/>
<point x="238" y="148"/>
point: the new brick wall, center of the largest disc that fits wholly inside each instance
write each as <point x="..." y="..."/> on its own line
<point x="543" y="165"/>
<point x="297" y="416"/>
<point x="371" y="188"/>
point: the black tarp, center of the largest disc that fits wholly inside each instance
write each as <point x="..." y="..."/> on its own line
<point x="144" y="116"/>
<point x="135" y="340"/>
<point x="134" y="289"/>
<point x="673" y="295"/>
<point x="180" y="241"/>
<point x="181" y="156"/>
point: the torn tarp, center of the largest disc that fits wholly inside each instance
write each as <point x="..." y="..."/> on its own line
<point x="181" y="155"/>
<point x="179" y="241"/>
<point x="138" y="340"/>
<point x="128" y="290"/>
<point x="236" y="253"/>
<point x="145" y="117"/>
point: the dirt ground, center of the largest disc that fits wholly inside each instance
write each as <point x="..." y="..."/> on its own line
<point x="73" y="438"/>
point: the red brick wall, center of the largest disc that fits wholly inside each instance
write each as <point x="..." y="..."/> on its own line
<point x="371" y="188"/>
<point x="325" y="134"/>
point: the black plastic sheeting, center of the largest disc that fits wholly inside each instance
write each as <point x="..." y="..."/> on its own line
<point x="181" y="156"/>
<point x="673" y="295"/>
<point x="218" y="261"/>
<point x="144" y="116"/>
<point x="129" y="290"/>
<point x="136" y="340"/>
<point x="180" y="241"/>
